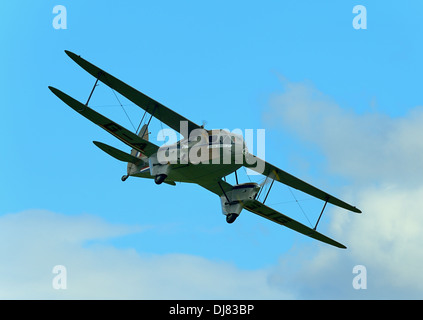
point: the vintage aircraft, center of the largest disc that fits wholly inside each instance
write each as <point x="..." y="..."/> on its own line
<point x="204" y="157"/>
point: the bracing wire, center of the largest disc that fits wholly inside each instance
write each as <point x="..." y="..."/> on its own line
<point x="288" y="201"/>
<point x="123" y="108"/>
<point x="302" y="210"/>
<point x="142" y="119"/>
<point x="108" y="105"/>
<point x="246" y="173"/>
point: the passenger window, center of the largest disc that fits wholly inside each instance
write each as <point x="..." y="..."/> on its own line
<point x="213" y="139"/>
<point x="227" y="140"/>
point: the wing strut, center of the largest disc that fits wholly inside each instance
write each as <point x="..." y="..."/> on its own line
<point x="326" y="202"/>
<point x="95" y="85"/>
<point x="268" y="191"/>
<point x="148" y="123"/>
<point x="223" y="192"/>
<point x="261" y="187"/>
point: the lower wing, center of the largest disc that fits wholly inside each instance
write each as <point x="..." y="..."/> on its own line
<point x="264" y="211"/>
<point x="113" y="128"/>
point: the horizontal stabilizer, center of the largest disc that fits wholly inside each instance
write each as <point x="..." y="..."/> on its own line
<point x="118" y="154"/>
<point x="264" y="211"/>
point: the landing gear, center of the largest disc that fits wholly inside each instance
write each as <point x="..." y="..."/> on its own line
<point x="231" y="217"/>
<point x="160" y="178"/>
<point x="124" y="177"/>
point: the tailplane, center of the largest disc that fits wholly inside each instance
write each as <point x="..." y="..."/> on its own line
<point x="120" y="155"/>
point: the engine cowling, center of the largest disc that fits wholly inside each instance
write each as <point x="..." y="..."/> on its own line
<point x="238" y="194"/>
<point x="157" y="169"/>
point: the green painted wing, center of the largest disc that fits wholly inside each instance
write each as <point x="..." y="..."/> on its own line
<point x="118" y="154"/>
<point x="255" y="163"/>
<point x="264" y="211"/>
<point x="115" y="129"/>
<point x="159" y="111"/>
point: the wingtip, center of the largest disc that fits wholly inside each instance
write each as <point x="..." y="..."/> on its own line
<point x="56" y="92"/>
<point x="338" y="245"/>
<point x="98" y="143"/>
<point x="53" y="89"/>
<point x="71" y="54"/>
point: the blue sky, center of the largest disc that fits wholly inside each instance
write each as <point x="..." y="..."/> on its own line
<point x="340" y="107"/>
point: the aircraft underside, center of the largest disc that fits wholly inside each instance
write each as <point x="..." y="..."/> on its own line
<point x="143" y="161"/>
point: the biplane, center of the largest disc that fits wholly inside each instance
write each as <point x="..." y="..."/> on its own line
<point x="204" y="157"/>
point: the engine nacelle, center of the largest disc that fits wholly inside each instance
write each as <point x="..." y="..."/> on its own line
<point x="156" y="167"/>
<point x="239" y="193"/>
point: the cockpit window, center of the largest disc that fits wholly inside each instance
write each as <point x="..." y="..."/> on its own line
<point x="213" y="139"/>
<point x="226" y="140"/>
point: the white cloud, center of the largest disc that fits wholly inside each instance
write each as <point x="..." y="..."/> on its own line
<point x="368" y="148"/>
<point x="382" y="157"/>
<point x="34" y="241"/>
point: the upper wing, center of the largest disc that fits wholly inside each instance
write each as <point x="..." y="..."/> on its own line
<point x="256" y="164"/>
<point x="254" y="206"/>
<point x="115" y="129"/>
<point x="164" y="114"/>
<point x="259" y="208"/>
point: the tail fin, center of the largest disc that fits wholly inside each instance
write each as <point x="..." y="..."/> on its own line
<point x="135" y="153"/>
<point x="143" y="134"/>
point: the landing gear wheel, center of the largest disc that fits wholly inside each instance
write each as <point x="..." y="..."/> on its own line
<point x="231" y="217"/>
<point x="160" y="178"/>
<point x="124" y="177"/>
